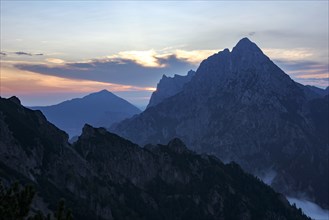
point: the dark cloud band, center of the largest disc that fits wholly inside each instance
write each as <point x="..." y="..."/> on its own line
<point x="120" y="71"/>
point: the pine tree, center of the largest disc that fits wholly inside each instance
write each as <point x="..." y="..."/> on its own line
<point x="15" y="204"/>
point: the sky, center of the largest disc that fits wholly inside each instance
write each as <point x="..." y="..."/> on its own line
<point x="52" y="51"/>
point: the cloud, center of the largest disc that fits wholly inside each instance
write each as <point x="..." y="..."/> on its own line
<point x="148" y="58"/>
<point x="23" y="53"/>
<point x="25" y="82"/>
<point x="152" y="58"/>
<point x="296" y="54"/>
<point x="306" y="72"/>
<point x="55" y="60"/>
<point x="38" y="89"/>
<point x="251" y="33"/>
<point x="194" y="56"/>
<point x="145" y="68"/>
<point x="299" y="68"/>
<point x="132" y="68"/>
<point x="318" y="82"/>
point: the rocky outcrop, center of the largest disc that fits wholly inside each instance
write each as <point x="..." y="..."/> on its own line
<point x="34" y="151"/>
<point x="169" y="86"/>
<point x="240" y="106"/>
<point x="164" y="176"/>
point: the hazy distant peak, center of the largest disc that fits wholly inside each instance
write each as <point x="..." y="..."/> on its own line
<point x="99" y="109"/>
<point x="102" y="92"/>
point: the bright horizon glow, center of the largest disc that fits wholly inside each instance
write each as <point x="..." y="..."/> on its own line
<point x="31" y="83"/>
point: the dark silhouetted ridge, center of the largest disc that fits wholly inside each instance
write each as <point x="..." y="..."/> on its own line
<point x="103" y="176"/>
<point x="177" y="145"/>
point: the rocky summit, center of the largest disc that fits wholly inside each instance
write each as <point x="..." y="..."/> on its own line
<point x="103" y="176"/>
<point x="240" y="106"/>
<point x="169" y="86"/>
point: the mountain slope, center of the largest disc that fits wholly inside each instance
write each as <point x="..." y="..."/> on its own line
<point x="103" y="176"/>
<point x="240" y="106"/>
<point x="169" y="86"/>
<point x="100" y="109"/>
<point x="34" y="151"/>
<point x="319" y="91"/>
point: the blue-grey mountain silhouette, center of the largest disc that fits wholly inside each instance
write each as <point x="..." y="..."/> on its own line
<point x="100" y="109"/>
<point x="240" y="106"/>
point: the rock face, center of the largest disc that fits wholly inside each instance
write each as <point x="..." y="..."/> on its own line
<point x="103" y="176"/>
<point x="34" y="151"/>
<point x="240" y="106"/>
<point x="100" y="109"/>
<point x="169" y="86"/>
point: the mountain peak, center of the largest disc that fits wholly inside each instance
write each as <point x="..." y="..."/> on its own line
<point x="104" y="91"/>
<point x="191" y="73"/>
<point x="15" y="100"/>
<point x="87" y="128"/>
<point x="99" y="109"/>
<point x="89" y="131"/>
<point x="245" y="40"/>
<point x="169" y="86"/>
<point x="177" y="145"/>
<point x="246" y="45"/>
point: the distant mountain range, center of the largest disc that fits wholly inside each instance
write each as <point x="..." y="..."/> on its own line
<point x="103" y="176"/>
<point x="242" y="107"/>
<point x="100" y="109"/>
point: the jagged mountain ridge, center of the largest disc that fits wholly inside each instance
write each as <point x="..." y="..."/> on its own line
<point x="103" y="176"/>
<point x="169" y="86"/>
<point x="241" y="106"/>
<point x="100" y="109"/>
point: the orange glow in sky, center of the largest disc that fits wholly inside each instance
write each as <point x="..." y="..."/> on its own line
<point x="18" y="82"/>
